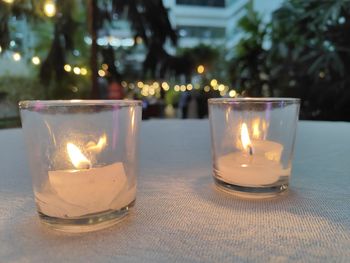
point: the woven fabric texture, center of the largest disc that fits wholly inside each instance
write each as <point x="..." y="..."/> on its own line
<point x="179" y="215"/>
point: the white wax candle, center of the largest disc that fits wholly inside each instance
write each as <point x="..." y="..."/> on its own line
<point x="261" y="168"/>
<point x="79" y="192"/>
<point x="269" y="149"/>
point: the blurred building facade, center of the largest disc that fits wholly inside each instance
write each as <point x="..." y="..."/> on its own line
<point x="209" y="22"/>
<point x="212" y="22"/>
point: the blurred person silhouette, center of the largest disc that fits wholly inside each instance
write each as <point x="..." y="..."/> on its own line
<point x="115" y="90"/>
<point x="202" y="104"/>
<point x="183" y="103"/>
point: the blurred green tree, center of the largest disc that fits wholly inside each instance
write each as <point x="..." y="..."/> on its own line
<point x="247" y="69"/>
<point x="72" y="19"/>
<point x="307" y="57"/>
<point x="310" y="54"/>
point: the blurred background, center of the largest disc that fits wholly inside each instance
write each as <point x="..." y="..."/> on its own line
<point x="175" y="54"/>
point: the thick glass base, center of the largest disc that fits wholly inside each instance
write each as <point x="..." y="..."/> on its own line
<point x="87" y="223"/>
<point x="252" y="192"/>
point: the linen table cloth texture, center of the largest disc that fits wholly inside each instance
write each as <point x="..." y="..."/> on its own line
<point x="179" y="215"/>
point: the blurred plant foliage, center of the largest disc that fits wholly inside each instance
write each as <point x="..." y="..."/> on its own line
<point x="21" y="88"/>
<point x="308" y="56"/>
<point x="248" y="64"/>
<point x="62" y="38"/>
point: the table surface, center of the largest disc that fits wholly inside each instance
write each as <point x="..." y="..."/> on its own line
<point x="180" y="216"/>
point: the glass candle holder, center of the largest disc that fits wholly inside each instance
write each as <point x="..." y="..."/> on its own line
<point x="252" y="144"/>
<point x="83" y="158"/>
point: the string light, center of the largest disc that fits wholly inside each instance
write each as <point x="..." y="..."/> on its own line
<point x="165" y="86"/>
<point x="16" y="56"/>
<point x="104" y="66"/>
<point x="83" y="71"/>
<point x="140" y="84"/>
<point x="206" y="88"/>
<point x="189" y="86"/>
<point x="232" y="93"/>
<point x="36" y="60"/>
<point x="0" y="49"/>
<point x="221" y="87"/>
<point x="76" y="70"/>
<point x="8" y="1"/>
<point x="139" y="40"/>
<point x="101" y="73"/>
<point x="67" y="68"/>
<point x="200" y="69"/>
<point x="49" y="8"/>
<point x="213" y="82"/>
<point x="177" y="88"/>
<point x="156" y="85"/>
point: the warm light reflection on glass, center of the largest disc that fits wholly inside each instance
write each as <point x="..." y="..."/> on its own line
<point x="132" y="113"/>
<point x="256" y="128"/>
<point x="259" y="128"/>
<point x="102" y="142"/>
<point x="245" y="139"/>
<point x="228" y="112"/>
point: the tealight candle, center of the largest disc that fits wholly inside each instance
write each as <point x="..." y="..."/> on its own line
<point x="89" y="189"/>
<point x="83" y="159"/>
<point x="257" y="164"/>
<point x="253" y="141"/>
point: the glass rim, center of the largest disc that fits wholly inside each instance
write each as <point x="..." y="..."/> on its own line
<point x="25" y="104"/>
<point x="252" y="100"/>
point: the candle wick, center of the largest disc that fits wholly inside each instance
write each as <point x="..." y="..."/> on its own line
<point x="250" y="150"/>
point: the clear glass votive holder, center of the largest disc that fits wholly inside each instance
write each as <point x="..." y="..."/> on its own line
<point x="83" y="158"/>
<point x="252" y="144"/>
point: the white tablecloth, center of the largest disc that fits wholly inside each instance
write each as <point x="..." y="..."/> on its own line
<point x="180" y="216"/>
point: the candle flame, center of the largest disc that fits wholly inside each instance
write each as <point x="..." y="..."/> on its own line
<point x="77" y="158"/>
<point x="102" y="142"/>
<point x="247" y="144"/>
